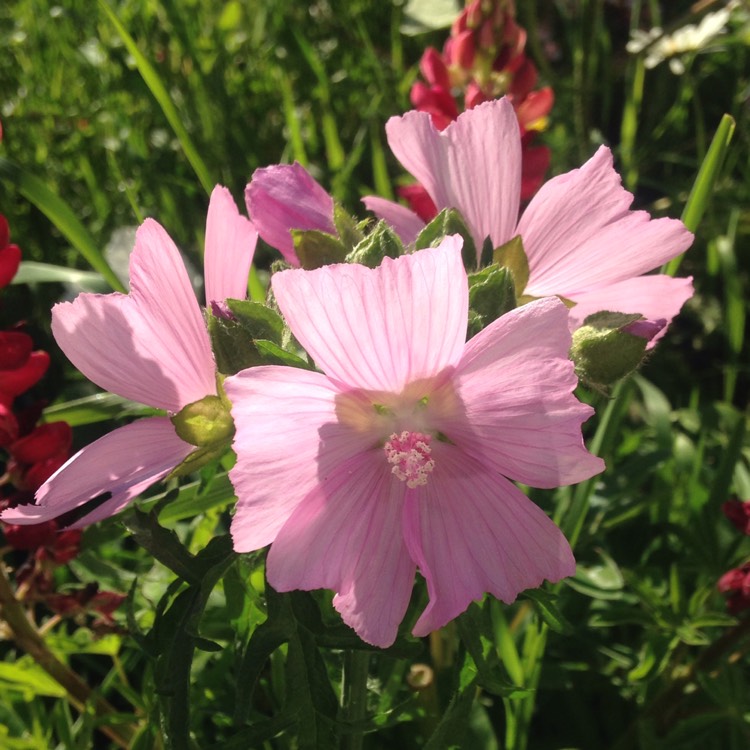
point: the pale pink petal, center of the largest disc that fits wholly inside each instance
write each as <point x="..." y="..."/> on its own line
<point x="346" y="535"/>
<point x="579" y="235"/>
<point x="381" y="328"/>
<point x="405" y="223"/>
<point x="654" y="297"/>
<point x="520" y="417"/>
<point x="291" y="429"/>
<point x="150" y="346"/>
<point x="471" y="532"/>
<point x="285" y="197"/>
<point x="121" y="464"/>
<point x="230" y="245"/>
<point x="474" y="165"/>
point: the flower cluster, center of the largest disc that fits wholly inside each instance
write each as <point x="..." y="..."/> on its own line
<point x="484" y="59"/>
<point x="414" y="372"/>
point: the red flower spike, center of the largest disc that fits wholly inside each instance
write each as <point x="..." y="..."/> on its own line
<point x="433" y="68"/>
<point x="419" y="201"/>
<point x="738" y="512"/>
<point x="10" y="259"/>
<point x="30" y="537"/>
<point x="8" y="426"/>
<point x="15" y="382"/>
<point x="45" y="442"/>
<point x="15" y="348"/>
<point x="4" y="232"/>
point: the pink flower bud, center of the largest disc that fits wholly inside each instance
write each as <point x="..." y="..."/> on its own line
<point x="645" y="329"/>
<point x="433" y="68"/>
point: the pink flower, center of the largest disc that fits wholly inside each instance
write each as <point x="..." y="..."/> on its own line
<point x="285" y="197"/>
<point x="396" y="458"/>
<point x="582" y="241"/>
<point x="150" y="346"/>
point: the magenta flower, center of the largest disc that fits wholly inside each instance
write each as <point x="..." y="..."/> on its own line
<point x="399" y="456"/>
<point x="285" y="197"/>
<point x="582" y="240"/>
<point x="149" y="346"/>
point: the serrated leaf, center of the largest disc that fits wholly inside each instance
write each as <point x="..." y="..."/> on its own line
<point x="258" y="320"/>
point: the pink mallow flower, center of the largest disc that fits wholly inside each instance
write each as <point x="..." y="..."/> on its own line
<point x="399" y="455"/>
<point x="285" y="197"/>
<point x="149" y="346"/>
<point x="582" y="241"/>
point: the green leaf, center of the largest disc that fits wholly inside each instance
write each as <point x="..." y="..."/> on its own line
<point x="160" y="93"/>
<point x="30" y="272"/>
<point x="315" y="249"/>
<point x="421" y="16"/>
<point x="512" y="256"/>
<point x="275" y="355"/>
<point x="90" y="409"/>
<point x="27" y="677"/>
<point x="381" y="243"/>
<point x="545" y="604"/>
<point x="451" y="730"/>
<point x="62" y="216"/>
<point x="703" y="187"/>
<point x="491" y="294"/>
<point x="258" y="320"/>
<point x="449" y="221"/>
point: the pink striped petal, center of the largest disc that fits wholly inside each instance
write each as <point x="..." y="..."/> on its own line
<point x="474" y="165"/>
<point x="285" y="197"/>
<point x="151" y="345"/>
<point x="516" y="384"/>
<point x="655" y="297"/>
<point x="579" y="233"/>
<point x="123" y="464"/>
<point x="472" y="532"/>
<point x="405" y="223"/>
<point x="381" y="328"/>
<point x="287" y="439"/>
<point x="346" y="536"/>
<point x="230" y="245"/>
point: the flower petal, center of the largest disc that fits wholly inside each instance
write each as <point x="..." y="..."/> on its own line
<point x="121" y="464"/>
<point x="520" y="417"/>
<point x="474" y="165"/>
<point x="346" y="535"/>
<point x="150" y="346"/>
<point x="380" y="328"/>
<point x="472" y="532"/>
<point x="285" y="197"/>
<point x="287" y="439"/>
<point x="656" y="297"/>
<point x="230" y="245"/>
<point x="405" y="223"/>
<point x="579" y="234"/>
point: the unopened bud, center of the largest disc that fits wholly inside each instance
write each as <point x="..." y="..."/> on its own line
<point x="381" y="243"/>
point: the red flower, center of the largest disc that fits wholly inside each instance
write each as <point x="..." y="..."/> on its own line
<point x="738" y="512"/>
<point x="736" y="582"/>
<point x="10" y="255"/>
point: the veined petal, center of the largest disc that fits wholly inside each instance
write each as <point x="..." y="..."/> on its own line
<point x="520" y="417"/>
<point x="285" y="197"/>
<point x="288" y="439"/>
<point x="405" y="223"/>
<point x="121" y="464"/>
<point x="151" y="345"/>
<point x="474" y="165"/>
<point x="380" y="328"/>
<point x="346" y="535"/>
<point x="230" y="245"/>
<point x="655" y="297"/>
<point x="472" y="532"/>
<point x="579" y="234"/>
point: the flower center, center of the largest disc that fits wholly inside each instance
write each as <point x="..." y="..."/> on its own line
<point x="409" y="453"/>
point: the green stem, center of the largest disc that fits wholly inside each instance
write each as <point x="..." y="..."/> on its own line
<point x="354" y="697"/>
<point x="27" y="638"/>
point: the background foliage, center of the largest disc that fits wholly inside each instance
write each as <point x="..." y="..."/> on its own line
<point x="137" y="120"/>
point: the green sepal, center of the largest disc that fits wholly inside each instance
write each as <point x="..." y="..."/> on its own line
<point x="348" y="228"/>
<point x="232" y="345"/>
<point x="258" y="320"/>
<point x="491" y="294"/>
<point x="449" y="221"/>
<point x="603" y="353"/>
<point x="381" y="243"/>
<point x="512" y="256"/>
<point x="197" y="460"/>
<point x="205" y="423"/>
<point x="315" y="249"/>
<point x="272" y="354"/>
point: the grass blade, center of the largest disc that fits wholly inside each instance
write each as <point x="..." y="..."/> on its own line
<point x="61" y="215"/>
<point x="160" y="93"/>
